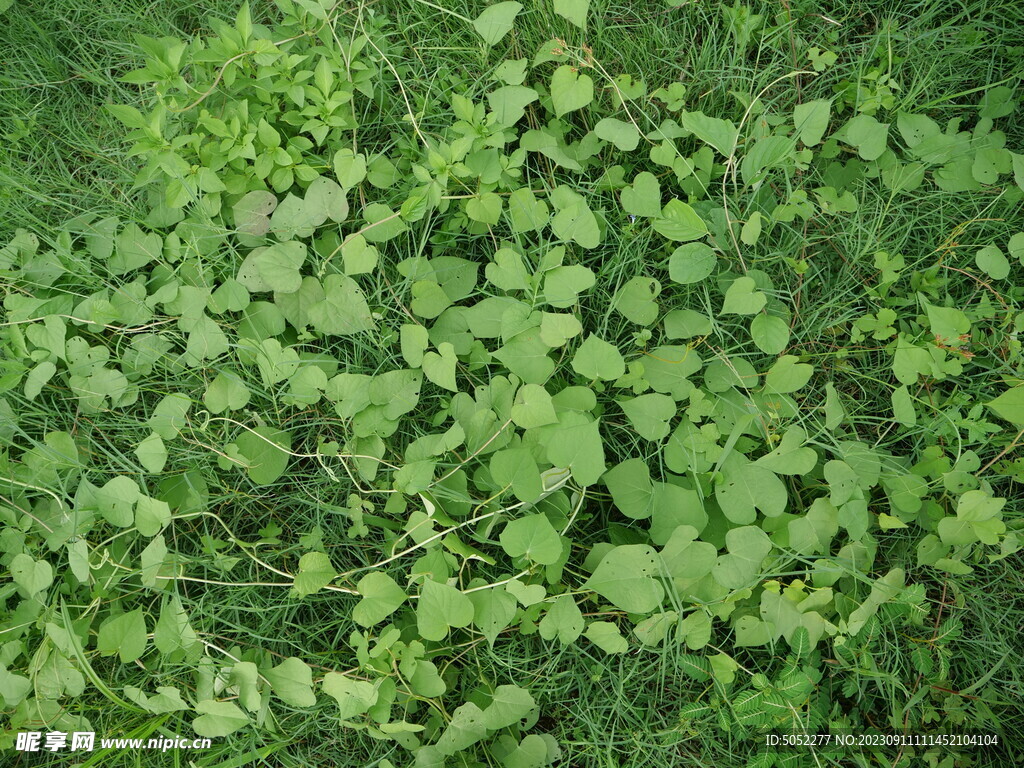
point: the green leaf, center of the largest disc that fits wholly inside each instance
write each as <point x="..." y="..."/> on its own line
<point x="903" y="407"/>
<point x="686" y="558"/>
<point x="439" y="367"/>
<point x="532" y="537"/>
<point x="562" y="620"/>
<point x="1015" y="246"/>
<point x="636" y="300"/>
<point x="766" y="154"/>
<point x="748" y="546"/>
<point x="597" y="359"/>
<point x="576" y="444"/>
<point x="151" y="515"/>
<point x="381" y="596"/>
<point x="33" y="576"/>
<point x="441" y="607"/>
<point x="343" y="310"/>
<point x="680" y="222"/>
<point x="643" y="198"/>
<point x="573" y="10"/>
<point x="517" y="468"/>
<point x="526" y="356"/>
<point x="507" y="271"/>
<point x="325" y="200"/>
<point x="1010" y="405"/>
<point x="788" y="375"/>
<point x="354" y="697"/>
<point x="650" y="414"/>
<point x="124" y="634"/>
<point x="358" y="256"/>
<point x="607" y="637"/>
<point x="485" y="208"/>
<point x="562" y="285"/>
<point x="226" y="392"/>
<point x="992" y="262"/>
<point x="493" y="611"/>
<point x="293" y="218"/>
<point x="631" y="488"/>
<point x="720" y="134"/>
<point x="977" y="519"/>
<point x="533" y="407"/>
<point x="811" y="119"/>
<point x="267" y="451"/>
<point x="769" y="333"/>
<point x="38" y="378"/>
<point x="509" y="704"/>
<point x="509" y="103"/>
<point x="747" y="487"/>
<point x="429" y="299"/>
<point x="526" y="213"/>
<point x="496" y="21"/>
<point x="751" y="230"/>
<point x="292" y="681"/>
<point x="570" y="90"/>
<point x="252" y="212"/>
<point x="169" y="415"/>
<point x="152" y="453"/>
<point x="866" y="134"/>
<point x="466" y="728"/>
<point x="691" y="263"/>
<point x="116" y="501"/>
<point x="624" y="577"/>
<point x="531" y="752"/>
<point x="134" y="249"/>
<point x="577" y="222"/>
<point x="558" y="328"/>
<point x="686" y="324"/>
<point x="623" y="135"/>
<point x="218" y="718"/>
<point x="315" y="573"/>
<point x="349" y="167"/>
<point x="743" y="298"/>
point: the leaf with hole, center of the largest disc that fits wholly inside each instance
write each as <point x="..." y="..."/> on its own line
<point x="626" y="577"/>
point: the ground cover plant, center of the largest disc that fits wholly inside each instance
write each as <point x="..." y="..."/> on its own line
<point x="520" y="384"/>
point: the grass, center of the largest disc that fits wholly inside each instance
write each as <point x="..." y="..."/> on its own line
<point x="63" y="155"/>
